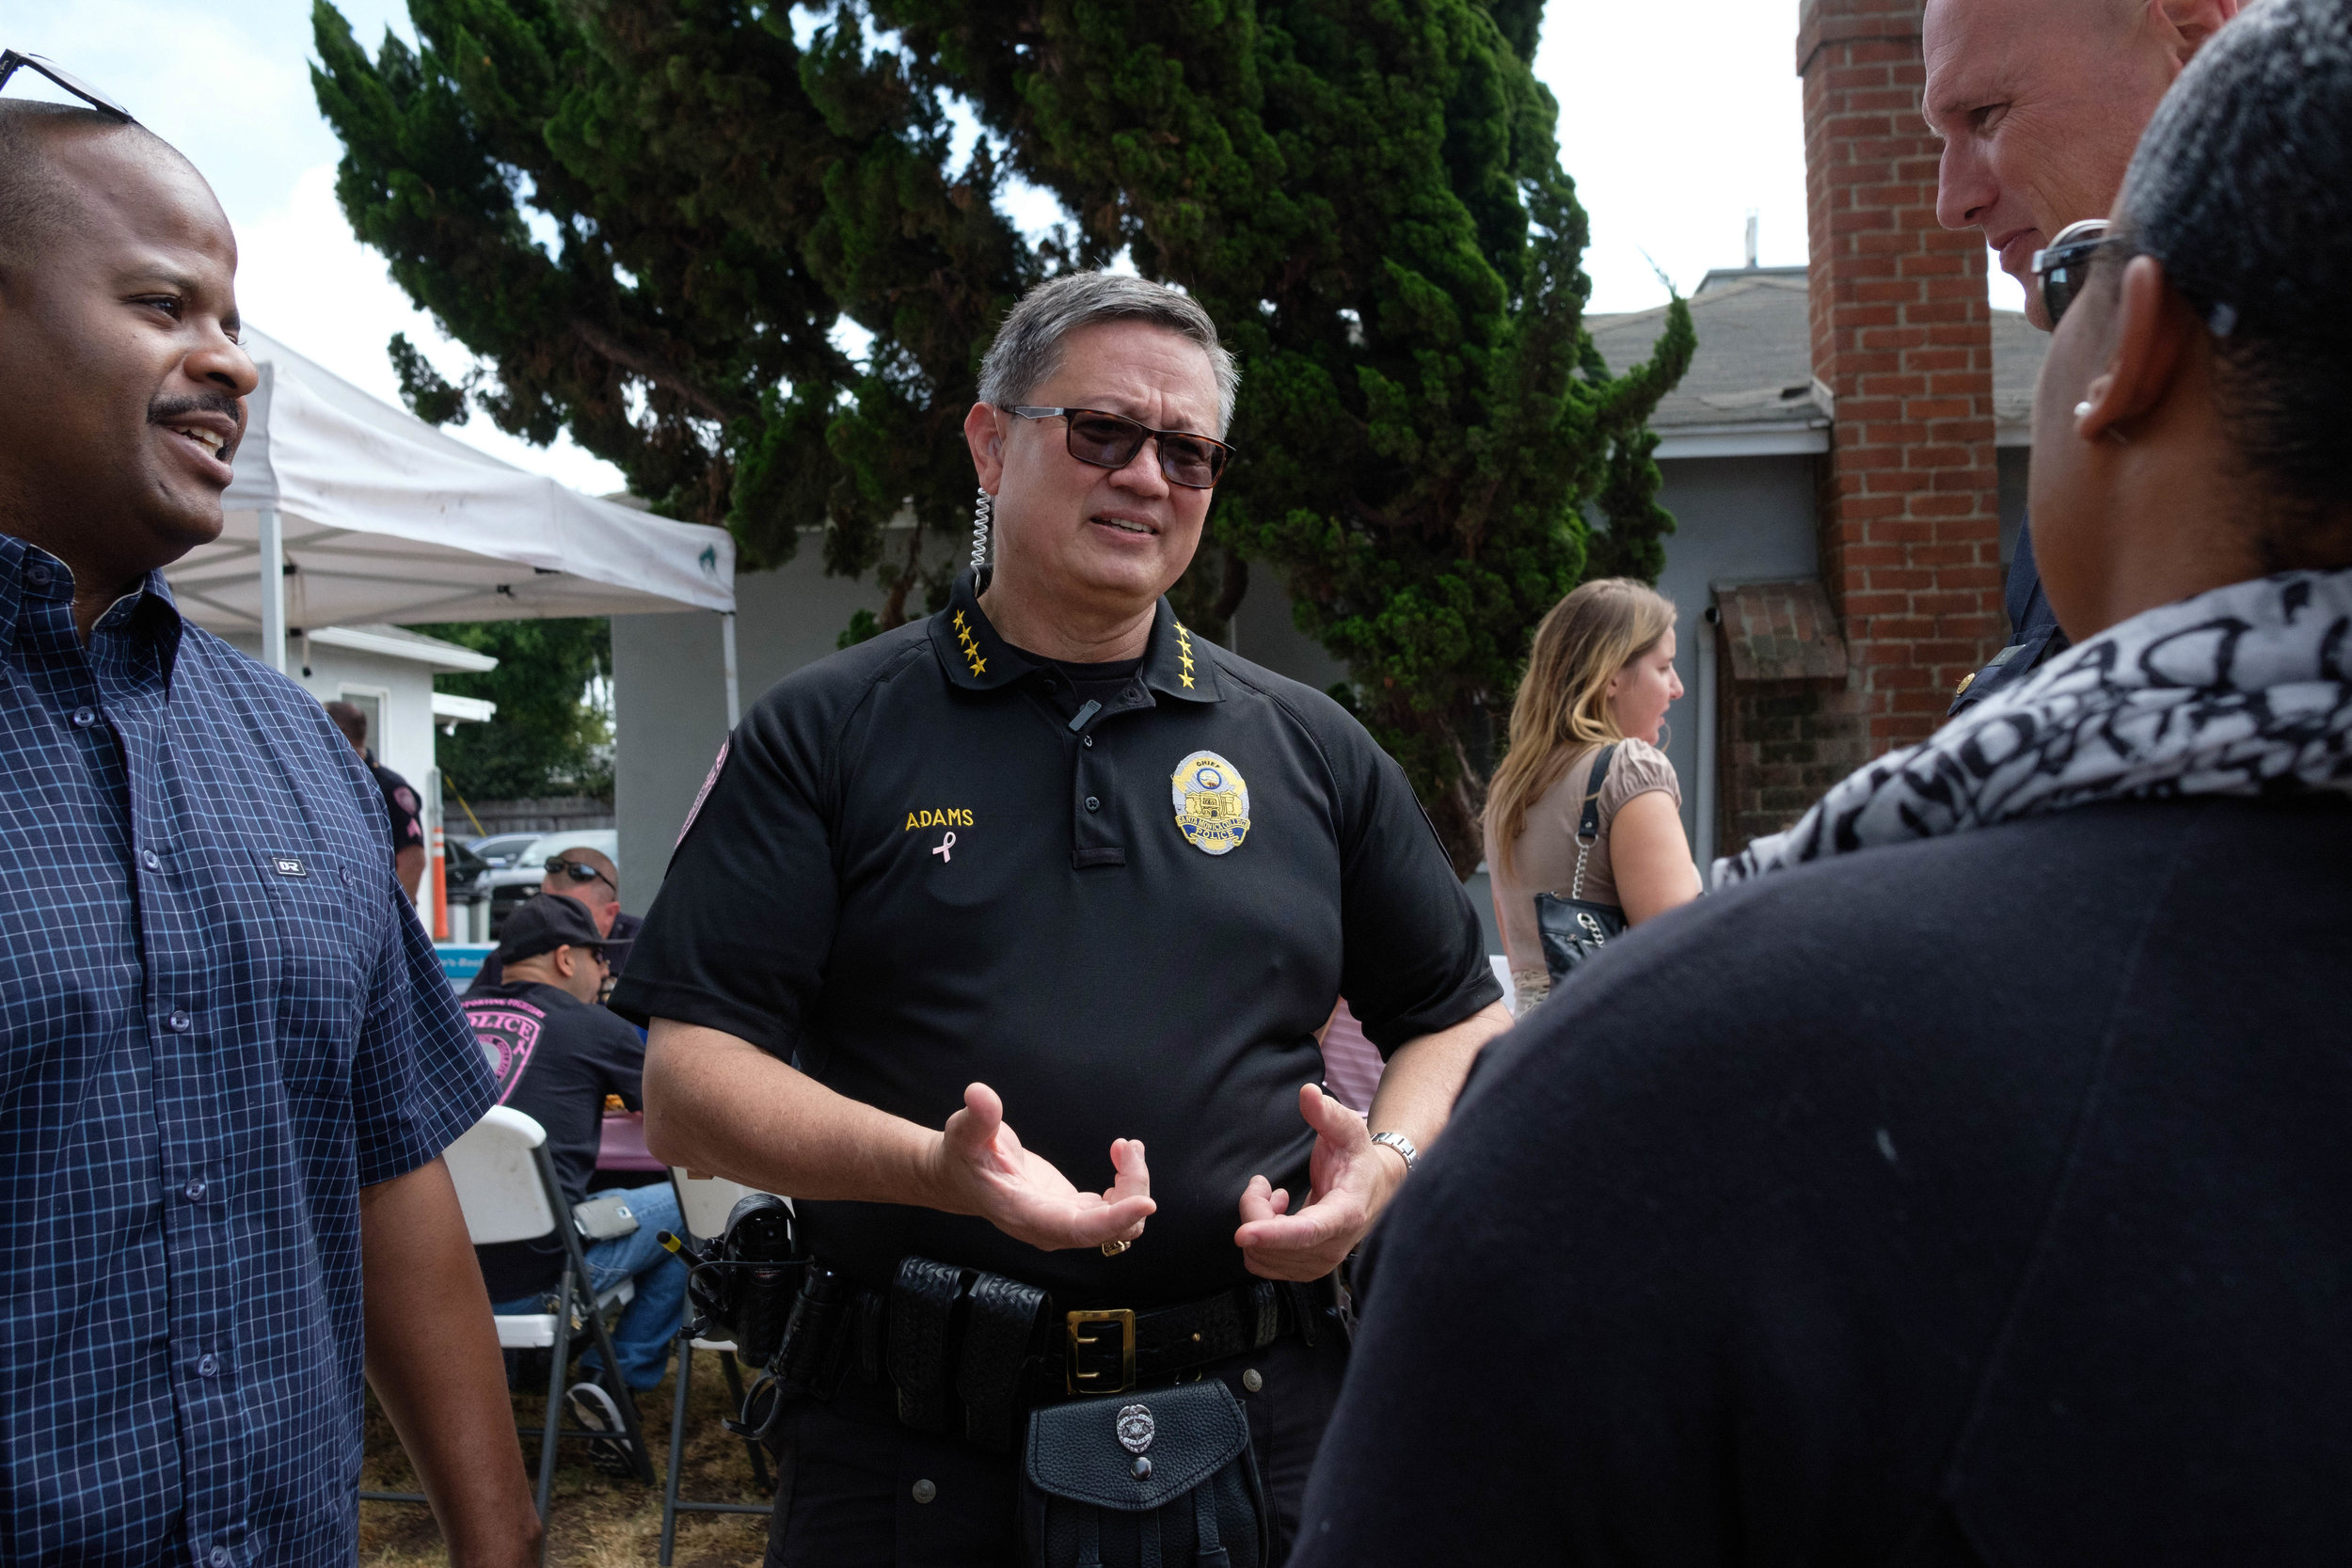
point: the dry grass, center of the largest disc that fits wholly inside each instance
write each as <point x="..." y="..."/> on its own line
<point x="596" y="1521"/>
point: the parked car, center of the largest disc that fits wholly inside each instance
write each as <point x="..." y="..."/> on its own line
<point x="500" y="850"/>
<point x="521" y="876"/>
<point x="464" y="866"/>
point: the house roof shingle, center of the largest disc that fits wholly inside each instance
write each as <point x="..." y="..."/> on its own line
<point x="1753" y="369"/>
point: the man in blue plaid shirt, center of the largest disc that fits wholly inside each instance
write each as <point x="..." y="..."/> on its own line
<point x="229" y="1063"/>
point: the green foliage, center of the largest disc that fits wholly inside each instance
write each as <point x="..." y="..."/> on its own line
<point x="428" y="394"/>
<point x="647" y="221"/>
<point x="1366" y="193"/>
<point x="546" y="740"/>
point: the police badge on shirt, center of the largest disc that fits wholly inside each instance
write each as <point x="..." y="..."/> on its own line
<point x="1212" y="802"/>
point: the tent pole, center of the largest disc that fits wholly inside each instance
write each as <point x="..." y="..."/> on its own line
<point x="726" y="641"/>
<point x="273" y="591"/>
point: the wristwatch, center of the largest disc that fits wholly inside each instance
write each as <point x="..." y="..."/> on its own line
<point x="1403" y="1145"/>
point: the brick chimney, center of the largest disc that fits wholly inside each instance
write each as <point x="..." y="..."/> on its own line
<point x="1902" y="337"/>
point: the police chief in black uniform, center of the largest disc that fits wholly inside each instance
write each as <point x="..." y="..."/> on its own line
<point x="1049" y="861"/>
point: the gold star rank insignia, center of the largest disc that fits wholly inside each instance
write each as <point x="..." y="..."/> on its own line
<point x="1212" y="802"/>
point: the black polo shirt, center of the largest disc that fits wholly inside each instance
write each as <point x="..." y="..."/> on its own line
<point x="923" y="863"/>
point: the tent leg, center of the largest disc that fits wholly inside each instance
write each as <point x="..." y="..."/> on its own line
<point x="726" y="642"/>
<point x="273" y="591"/>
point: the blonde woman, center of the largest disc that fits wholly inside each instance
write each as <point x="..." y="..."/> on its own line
<point x="1601" y="675"/>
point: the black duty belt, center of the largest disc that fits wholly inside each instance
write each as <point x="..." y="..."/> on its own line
<point x="972" y="1349"/>
<point x="1111" y="1350"/>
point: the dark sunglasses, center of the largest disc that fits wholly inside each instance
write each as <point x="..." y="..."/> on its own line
<point x="1112" y="440"/>
<point x="11" y="59"/>
<point x="579" y="871"/>
<point x="2062" y="267"/>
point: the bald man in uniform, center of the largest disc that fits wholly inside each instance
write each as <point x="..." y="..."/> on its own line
<point x="2040" y="104"/>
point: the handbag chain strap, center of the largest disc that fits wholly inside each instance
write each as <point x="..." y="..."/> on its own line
<point x="1588" y="825"/>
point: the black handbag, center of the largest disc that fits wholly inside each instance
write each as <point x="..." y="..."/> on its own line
<point x="1572" y="930"/>
<point x="1163" y="1479"/>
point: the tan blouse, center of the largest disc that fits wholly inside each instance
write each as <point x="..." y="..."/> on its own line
<point x="1545" y="858"/>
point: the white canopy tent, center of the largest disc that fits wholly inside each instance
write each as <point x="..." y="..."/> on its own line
<point x="346" y="510"/>
<point x="348" y="518"/>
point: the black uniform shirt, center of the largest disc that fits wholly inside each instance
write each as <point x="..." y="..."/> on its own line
<point x="921" y="865"/>
<point x="2035" y="637"/>
<point x="402" y="806"/>
<point x="555" y="1058"/>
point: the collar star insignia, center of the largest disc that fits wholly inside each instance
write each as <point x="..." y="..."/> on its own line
<point x="979" y="665"/>
<point x="959" y="619"/>
<point x="1184" y="655"/>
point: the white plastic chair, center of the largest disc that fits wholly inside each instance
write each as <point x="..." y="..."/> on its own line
<point x="506" y="1186"/>
<point x="704" y="1203"/>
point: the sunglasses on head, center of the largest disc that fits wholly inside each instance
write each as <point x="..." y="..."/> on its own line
<point x="579" y="871"/>
<point x="11" y="60"/>
<point x="1111" y="441"/>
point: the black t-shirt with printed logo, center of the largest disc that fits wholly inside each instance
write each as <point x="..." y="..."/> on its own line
<point x="402" y="807"/>
<point x="924" y="861"/>
<point x="555" y="1058"/>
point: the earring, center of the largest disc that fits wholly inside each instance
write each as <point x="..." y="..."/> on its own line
<point x="2082" y="409"/>
<point x="980" y="510"/>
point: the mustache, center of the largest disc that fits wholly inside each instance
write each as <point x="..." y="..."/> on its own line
<point x="164" y="410"/>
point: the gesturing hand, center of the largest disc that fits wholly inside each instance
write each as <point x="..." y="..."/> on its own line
<point x="1352" y="1181"/>
<point x="981" y="1169"/>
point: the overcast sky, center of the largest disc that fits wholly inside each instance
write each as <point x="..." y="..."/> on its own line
<point x="1677" y="118"/>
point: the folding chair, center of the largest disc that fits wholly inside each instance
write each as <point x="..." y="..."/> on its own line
<point x="506" y="1186"/>
<point x="702" y="1204"/>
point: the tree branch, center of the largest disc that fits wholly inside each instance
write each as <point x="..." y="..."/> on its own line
<point x="656" y="370"/>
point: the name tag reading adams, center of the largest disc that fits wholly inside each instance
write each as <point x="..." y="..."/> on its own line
<point x="1212" y="802"/>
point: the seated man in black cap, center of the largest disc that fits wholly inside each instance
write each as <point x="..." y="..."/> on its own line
<point x="557" y="1055"/>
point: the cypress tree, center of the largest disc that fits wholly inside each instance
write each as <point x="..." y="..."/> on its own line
<point x="1365" y="194"/>
<point x="648" y="221"/>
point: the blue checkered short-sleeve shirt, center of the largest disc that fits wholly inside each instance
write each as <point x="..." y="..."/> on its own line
<point x="218" y="1021"/>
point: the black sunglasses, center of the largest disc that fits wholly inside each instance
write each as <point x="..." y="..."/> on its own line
<point x="1112" y="440"/>
<point x="11" y="59"/>
<point x="579" y="871"/>
<point x="2063" y="266"/>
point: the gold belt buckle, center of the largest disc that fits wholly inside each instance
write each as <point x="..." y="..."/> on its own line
<point x="1086" y="1332"/>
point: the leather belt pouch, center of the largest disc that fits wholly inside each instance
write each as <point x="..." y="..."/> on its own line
<point x="1157" y="1479"/>
<point x="922" y="1320"/>
<point x="1004" y="1328"/>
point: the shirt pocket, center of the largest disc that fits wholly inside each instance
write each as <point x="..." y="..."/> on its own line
<point x="312" y="936"/>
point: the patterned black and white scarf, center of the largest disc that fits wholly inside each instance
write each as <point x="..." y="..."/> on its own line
<point x="2244" y="691"/>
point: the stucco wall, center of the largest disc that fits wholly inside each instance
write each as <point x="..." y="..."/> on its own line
<point x="669" y="695"/>
<point x="1737" y="520"/>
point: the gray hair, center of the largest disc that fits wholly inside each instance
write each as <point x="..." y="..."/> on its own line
<point x="2238" y="189"/>
<point x="1028" y="345"/>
